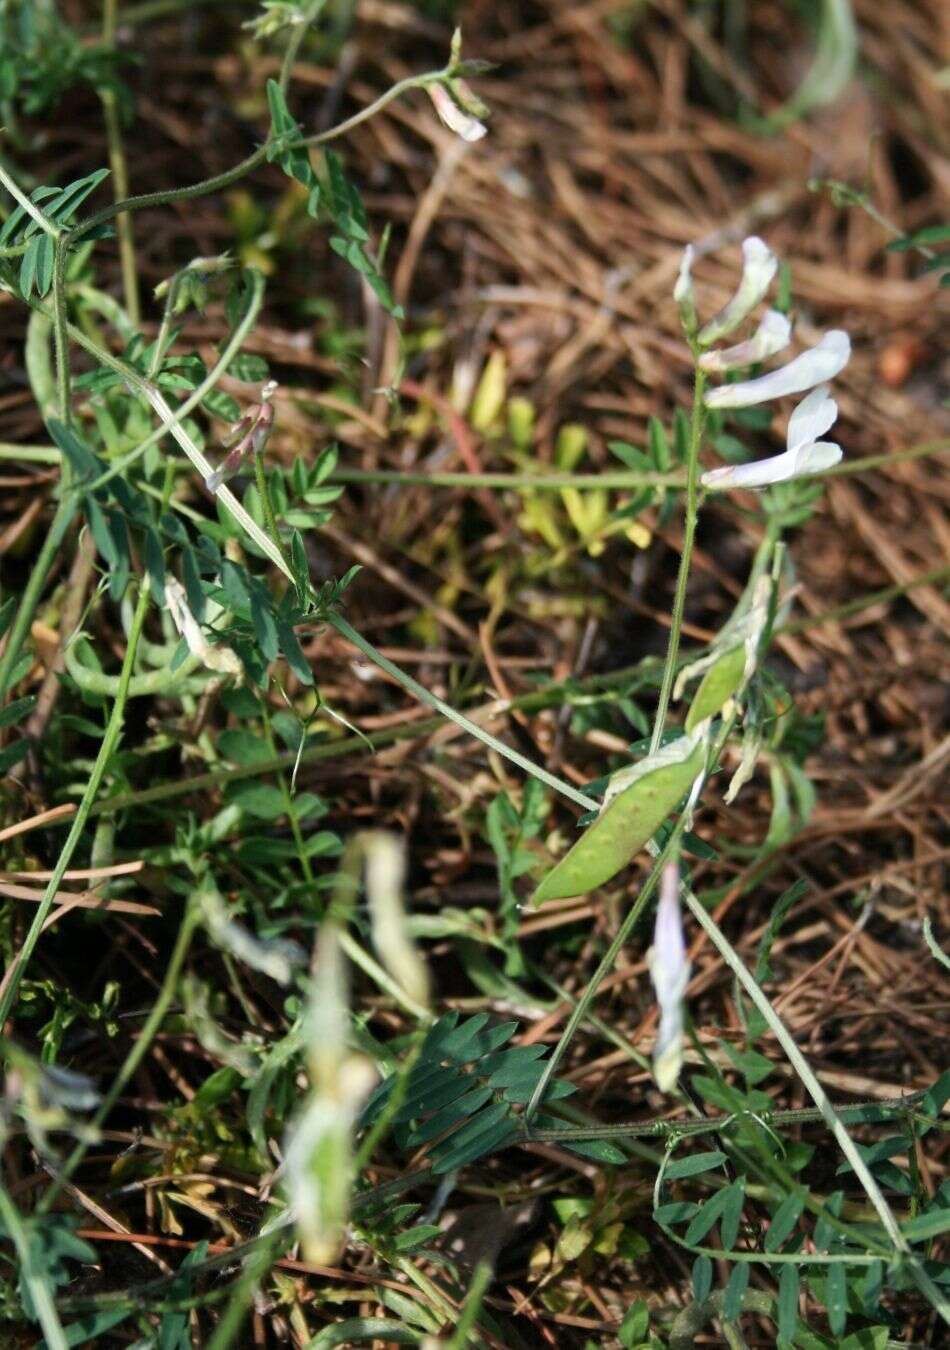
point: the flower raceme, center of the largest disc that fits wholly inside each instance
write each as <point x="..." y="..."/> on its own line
<point x="810" y="371"/>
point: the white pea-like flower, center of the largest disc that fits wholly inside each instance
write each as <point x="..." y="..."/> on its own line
<point x="454" y="116"/>
<point x="222" y="659"/>
<point x="670" y="971"/>
<point x="805" y="453"/>
<point x="772" y="335"/>
<point x="759" y="265"/>
<point x="820" y="363"/>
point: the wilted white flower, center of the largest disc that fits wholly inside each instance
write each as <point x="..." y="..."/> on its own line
<point x="222" y="659"/>
<point x="804" y="455"/>
<point x="820" y="363"/>
<point x="276" y="957"/>
<point x="759" y="265"/>
<point x="771" y="336"/>
<point x="455" y="117"/>
<point x="670" y="972"/>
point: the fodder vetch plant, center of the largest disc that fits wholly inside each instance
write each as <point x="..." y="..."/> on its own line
<point x="205" y="558"/>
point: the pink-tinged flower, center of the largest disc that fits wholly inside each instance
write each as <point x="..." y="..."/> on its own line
<point x="772" y="335"/>
<point x="252" y="432"/>
<point x="820" y="363"/>
<point x="670" y="972"/>
<point x="804" y="455"/>
<point x="455" y="117"/>
<point x="759" y="265"/>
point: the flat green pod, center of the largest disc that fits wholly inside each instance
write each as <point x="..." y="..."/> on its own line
<point x="718" y="685"/>
<point x="627" y="822"/>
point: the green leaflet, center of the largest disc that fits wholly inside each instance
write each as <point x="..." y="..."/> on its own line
<point x="626" y="824"/>
<point x="718" y="684"/>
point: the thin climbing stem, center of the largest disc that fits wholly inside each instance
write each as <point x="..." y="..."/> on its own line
<point x="220" y="181"/>
<point x="697" y="422"/>
<point x="418" y="691"/>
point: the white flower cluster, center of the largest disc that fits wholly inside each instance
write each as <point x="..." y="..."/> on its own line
<point x="805" y="453"/>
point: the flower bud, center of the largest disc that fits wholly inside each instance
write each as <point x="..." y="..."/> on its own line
<point x="771" y="336"/>
<point x="758" y="268"/>
<point x="683" y="291"/>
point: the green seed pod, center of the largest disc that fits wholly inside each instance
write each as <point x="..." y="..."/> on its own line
<point x="641" y="800"/>
<point x="718" y="685"/>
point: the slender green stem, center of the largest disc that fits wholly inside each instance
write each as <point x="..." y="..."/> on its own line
<point x="803" y="1069"/>
<point x="432" y="701"/>
<point x="37" y="1282"/>
<point x="230" y="176"/>
<point x="60" y="329"/>
<point x="858" y="1113"/>
<point x="535" y="481"/>
<point x="34" y="589"/>
<point x="297" y="35"/>
<point x="140" y="1047"/>
<point x="109" y="744"/>
<point x="394" y="1101"/>
<point x="613" y="479"/>
<point x="697" y="423"/>
<point x="604" y="968"/>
